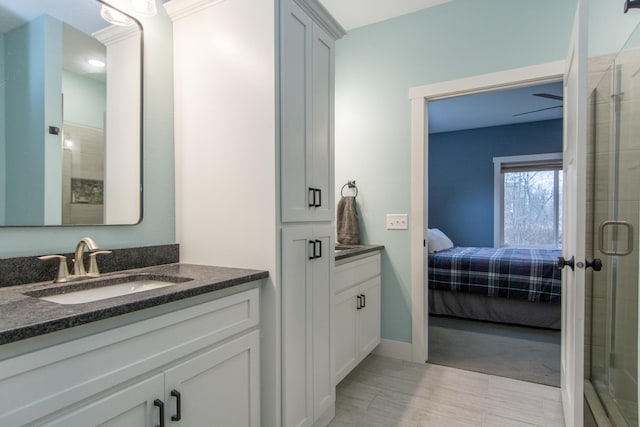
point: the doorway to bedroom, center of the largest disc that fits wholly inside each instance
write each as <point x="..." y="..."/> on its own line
<point x="495" y="193"/>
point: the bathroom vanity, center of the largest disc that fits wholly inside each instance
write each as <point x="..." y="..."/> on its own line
<point x="357" y="306"/>
<point x="184" y="353"/>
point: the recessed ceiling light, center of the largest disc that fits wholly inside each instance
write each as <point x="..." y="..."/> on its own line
<point x="96" y="63"/>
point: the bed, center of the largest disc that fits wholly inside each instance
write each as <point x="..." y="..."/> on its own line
<point x="507" y="285"/>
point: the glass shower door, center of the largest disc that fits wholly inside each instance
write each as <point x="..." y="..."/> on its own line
<point x="615" y="218"/>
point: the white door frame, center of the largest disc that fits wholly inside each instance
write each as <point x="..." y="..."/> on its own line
<point x="420" y="96"/>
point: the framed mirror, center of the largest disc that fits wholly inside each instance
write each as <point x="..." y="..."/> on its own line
<point x="71" y="116"/>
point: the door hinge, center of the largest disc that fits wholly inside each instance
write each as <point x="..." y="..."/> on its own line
<point x="424" y="243"/>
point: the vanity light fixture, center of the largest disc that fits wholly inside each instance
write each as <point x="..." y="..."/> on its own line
<point x="115" y="17"/>
<point x="145" y="7"/>
<point x="96" y="63"/>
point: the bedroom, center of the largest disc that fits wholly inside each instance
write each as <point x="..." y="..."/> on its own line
<point x="468" y="138"/>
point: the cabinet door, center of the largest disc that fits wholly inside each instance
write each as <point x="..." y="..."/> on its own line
<point x="297" y="328"/>
<point x="295" y="112"/>
<point x="346" y="341"/>
<point x="308" y="385"/>
<point x="322" y="140"/>
<point x="369" y="317"/>
<point x="130" y="406"/>
<point x="219" y="387"/>
<point x="322" y="325"/>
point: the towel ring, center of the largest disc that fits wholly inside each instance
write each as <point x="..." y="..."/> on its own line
<point x="350" y="184"/>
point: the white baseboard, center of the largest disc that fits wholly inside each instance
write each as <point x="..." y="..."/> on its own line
<point x="395" y="349"/>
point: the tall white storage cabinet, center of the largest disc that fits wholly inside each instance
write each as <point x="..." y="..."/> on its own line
<point x="307" y="325"/>
<point x="307" y="209"/>
<point x="254" y="177"/>
<point x="307" y="71"/>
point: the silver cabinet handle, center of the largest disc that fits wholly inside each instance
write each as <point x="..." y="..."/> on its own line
<point x="606" y="224"/>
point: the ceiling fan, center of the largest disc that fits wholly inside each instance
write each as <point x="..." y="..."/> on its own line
<point x="543" y="95"/>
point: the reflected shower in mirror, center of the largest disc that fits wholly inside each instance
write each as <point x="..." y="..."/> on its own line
<point x="70" y="120"/>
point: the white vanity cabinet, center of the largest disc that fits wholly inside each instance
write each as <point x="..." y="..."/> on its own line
<point x="307" y="323"/>
<point x="357" y="311"/>
<point x="201" y="361"/>
<point x="129" y="406"/>
<point x="307" y="74"/>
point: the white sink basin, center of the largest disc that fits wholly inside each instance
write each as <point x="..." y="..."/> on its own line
<point x="104" y="292"/>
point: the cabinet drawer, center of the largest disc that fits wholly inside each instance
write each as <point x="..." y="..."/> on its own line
<point x="48" y="380"/>
<point x="354" y="272"/>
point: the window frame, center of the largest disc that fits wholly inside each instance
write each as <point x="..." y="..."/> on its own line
<point x="498" y="189"/>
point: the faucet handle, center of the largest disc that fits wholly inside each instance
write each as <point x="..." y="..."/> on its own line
<point x="93" y="263"/>
<point x="63" y="271"/>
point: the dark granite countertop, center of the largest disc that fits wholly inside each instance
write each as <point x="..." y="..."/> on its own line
<point x="23" y="316"/>
<point x="348" y="251"/>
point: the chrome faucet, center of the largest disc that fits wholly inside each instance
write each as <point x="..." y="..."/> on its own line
<point x="79" y="272"/>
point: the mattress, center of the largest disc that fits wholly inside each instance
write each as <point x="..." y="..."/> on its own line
<point x="523" y="274"/>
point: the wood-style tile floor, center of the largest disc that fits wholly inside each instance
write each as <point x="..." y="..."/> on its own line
<point x="384" y="392"/>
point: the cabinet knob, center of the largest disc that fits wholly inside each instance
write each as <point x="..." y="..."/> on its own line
<point x="178" y="416"/>
<point x="317" y="203"/>
<point x="315" y="197"/>
<point x="315" y="249"/>
<point x="312" y="197"/>
<point x="312" y="249"/>
<point x="160" y="404"/>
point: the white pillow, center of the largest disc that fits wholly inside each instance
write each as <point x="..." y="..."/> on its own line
<point x="438" y="241"/>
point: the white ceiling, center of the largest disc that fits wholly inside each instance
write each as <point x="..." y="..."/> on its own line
<point x="357" y="13"/>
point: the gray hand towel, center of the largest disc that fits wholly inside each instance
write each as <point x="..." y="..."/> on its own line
<point x="347" y="221"/>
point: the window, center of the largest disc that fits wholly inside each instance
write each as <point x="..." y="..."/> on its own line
<point x="528" y="201"/>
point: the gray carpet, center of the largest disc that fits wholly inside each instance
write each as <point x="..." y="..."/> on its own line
<point x="518" y="352"/>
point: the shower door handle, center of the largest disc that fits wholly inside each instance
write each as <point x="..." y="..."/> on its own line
<point x="606" y="251"/>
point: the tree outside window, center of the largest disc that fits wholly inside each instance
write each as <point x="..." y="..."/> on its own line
<point x="528" y="201"/>
<point x="532" y="208"/>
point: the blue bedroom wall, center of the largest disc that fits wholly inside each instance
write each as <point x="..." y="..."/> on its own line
<point x="461" y="174"/>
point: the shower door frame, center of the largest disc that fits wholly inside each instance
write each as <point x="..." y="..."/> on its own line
<point x="608" y="402"/>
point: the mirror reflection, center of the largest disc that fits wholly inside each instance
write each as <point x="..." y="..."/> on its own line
<point x="70" y="116"/>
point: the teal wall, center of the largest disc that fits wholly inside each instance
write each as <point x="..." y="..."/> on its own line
<point x="52" y="117"/>
<point x="85" y="100"/>
<point x="375" y="67"/>
<point x="2" y="128"/>
<point x="158" y="223"/>
<point x="26" y="58"/>
<point x="609" y="27"/>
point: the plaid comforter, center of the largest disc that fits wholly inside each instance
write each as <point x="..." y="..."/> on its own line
<point x="528" y="274"/>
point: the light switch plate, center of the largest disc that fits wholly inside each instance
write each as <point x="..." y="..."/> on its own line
<point x="397" y="222"/>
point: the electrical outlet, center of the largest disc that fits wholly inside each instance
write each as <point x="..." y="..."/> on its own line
<point x="397" y="222"/>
